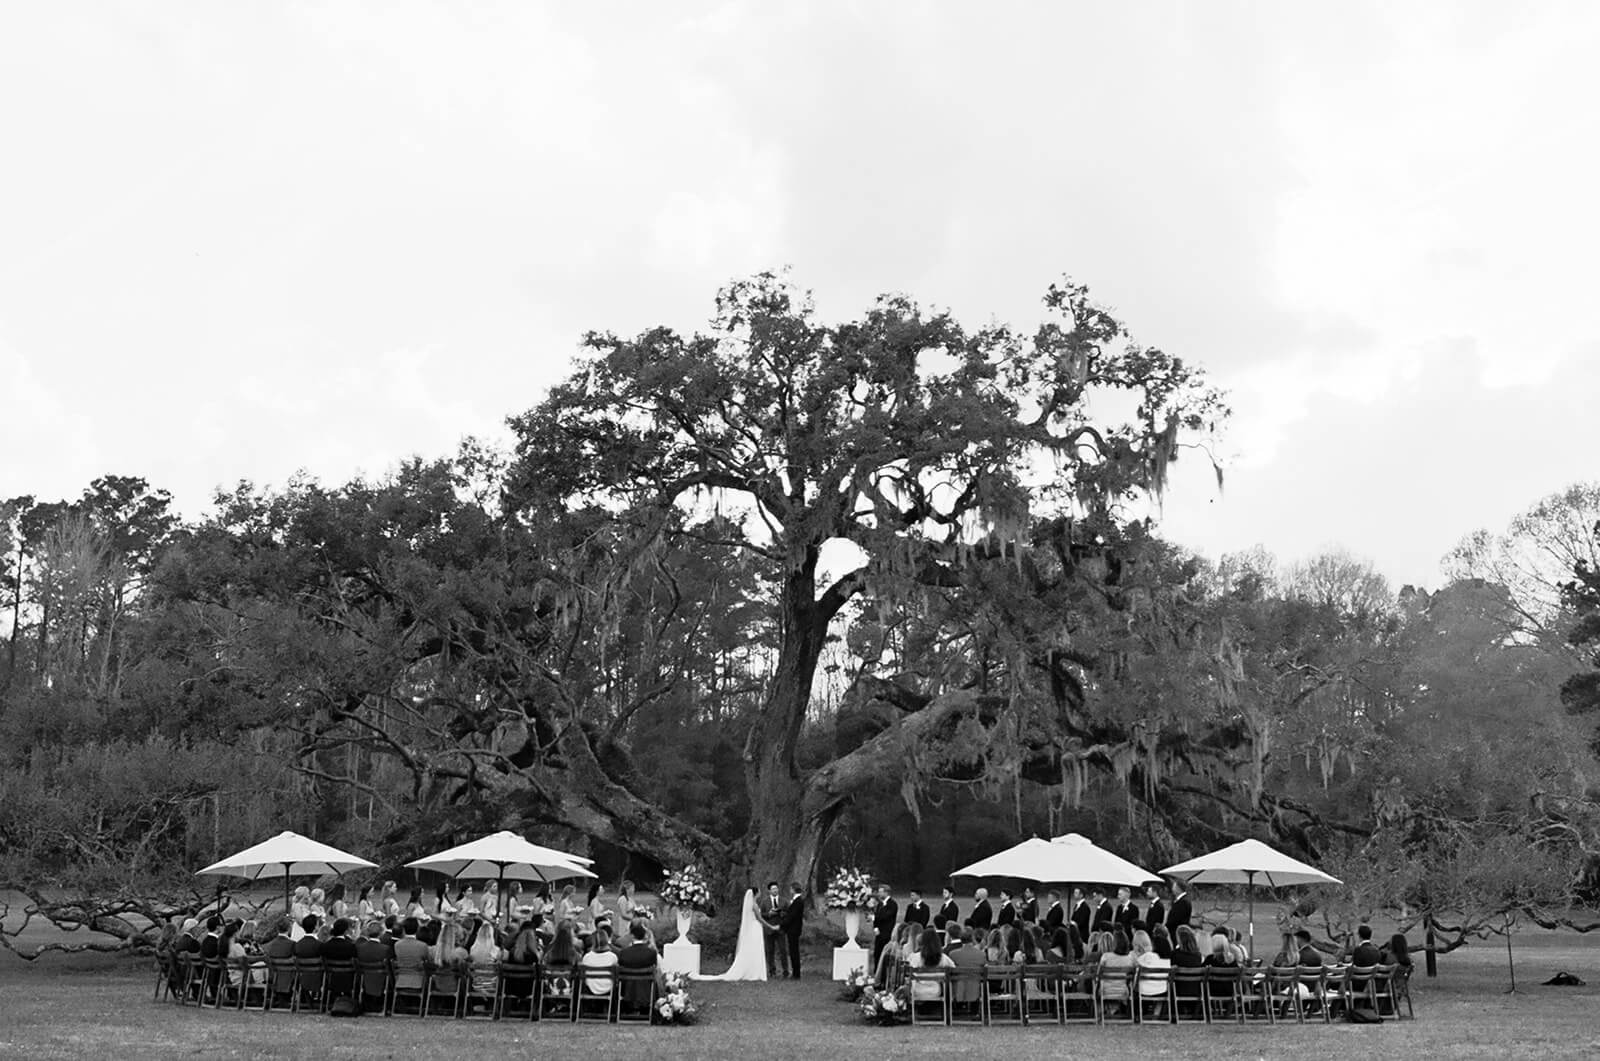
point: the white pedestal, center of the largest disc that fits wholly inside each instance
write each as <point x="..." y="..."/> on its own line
<point x="681" y="958"/>
<point x="848" y="958"/>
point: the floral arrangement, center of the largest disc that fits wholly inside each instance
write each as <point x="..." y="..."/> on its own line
<point x="855" y="985"/>
<point x="676" y="1005"/>
<point x="686" y="888"/>
<point x="886" y="1007"/>
<point x="849" y="888"/>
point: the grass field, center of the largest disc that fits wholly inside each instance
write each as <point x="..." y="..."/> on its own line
<point x="85" y="1006"/>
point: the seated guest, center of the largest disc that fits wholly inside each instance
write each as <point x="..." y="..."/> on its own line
<point x="638" y="957"/>
<point x="237" y="939"/>
<point x="1398" y="952"/>
<point x="1365" y="952"/>
<point x="1186" y="955"/>
<point x="372" y="952"/>
<point x="483" y="956"/>
<point x="598" y="963"/>
<point x="1153" y="967"/>
<point x="887" y="972"/>
<point x="411" y="954"/>
<point x="1222" y="955"/>
<point x="308" y="945"/>
<point x="280" y="948"/>
<point x="1309" y="955"/>
<point x="1060" y="951"/>
<point x="929" y="955"/>
<point x="189" y="937"/>
<point x="211" y="947"/>
<point x="340" y="948"/>
<point x="994" y="946"/>
<point x="963" y="956"/>
<point x="1028" y="950"/>
<point x="447" y="949"/>
<point x="563" y="949"/>
<point x="1160" y="942"/>
<point x="1120" y="960"/>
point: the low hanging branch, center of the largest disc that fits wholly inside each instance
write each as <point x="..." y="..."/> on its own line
<point x="132" y="923"/>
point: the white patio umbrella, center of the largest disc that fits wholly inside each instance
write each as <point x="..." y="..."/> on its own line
<point x="288" y="853"/>
<point x="1243" y="863"/>
<point x="1070" y="859"/>
<point x="505" y="855"/>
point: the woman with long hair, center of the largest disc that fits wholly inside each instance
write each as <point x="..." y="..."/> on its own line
<point x="563" y="950"/>
<point x="414" y="907"/>
<point x="365" y="911"/>
<point x="929" y="955"/>
<point x="1397" y="952"/>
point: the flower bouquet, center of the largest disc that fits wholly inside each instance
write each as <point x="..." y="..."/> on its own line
<point x="886" y="1007"/>
<point x="676" y="1005"/>
<point x="686" y="889"/>
<point x="855" y="985"/>
<point x="850" y="888"/>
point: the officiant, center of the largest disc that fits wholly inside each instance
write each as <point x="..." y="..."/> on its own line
<point x="772" y="919"/>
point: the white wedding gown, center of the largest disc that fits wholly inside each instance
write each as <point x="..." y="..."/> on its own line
<point x="750" y="953"/>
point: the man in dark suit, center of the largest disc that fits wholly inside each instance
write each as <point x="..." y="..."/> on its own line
<point x="1156" y="913"/>
<point x="1082" y="916"/>
<point x="188" y="938"/>
<point x="1007" y="912"/>
<point x="884" y="918"/>
<point x="1105" y="915"/>
<point x="794" y="918"/>
<point x="340" y="948"/>
<point x="1181" y="911"/>
<point x="917" y="912"/>
<point x="1054" y="915"/>
<point x="372" y="951"/>
<point x="1309" y="955"/>
<point x="771" y="912"/>
<point x="982" y="913"/>
<point x="211" y="948"/>
<point x="638" y="956"/>
<point x="1029" y="914"/>
<point x="281" y="949"/>
<point x="949" y="913"/>
<point x="965" y="957"/>
<point x="1127" y="912"/>
<point x="1365" y="952"/>
<point x="308" y="945"/>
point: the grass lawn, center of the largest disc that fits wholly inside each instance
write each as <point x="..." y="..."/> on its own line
<point x="82" y="1006"/>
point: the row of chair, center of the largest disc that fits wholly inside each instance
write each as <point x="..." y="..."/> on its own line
<point x="518" y="992"/>
<point x="1064" y="994"/>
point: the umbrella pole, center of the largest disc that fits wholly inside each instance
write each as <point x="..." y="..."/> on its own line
<point x="286" y="889"/>
<point x="1250" y="874"/>
<point x="499" y="896"/>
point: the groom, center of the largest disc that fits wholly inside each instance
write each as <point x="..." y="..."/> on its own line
<point x="794" y="917"/>
<point x="772" y="916"/>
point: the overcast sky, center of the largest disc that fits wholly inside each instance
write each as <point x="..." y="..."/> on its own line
<point x="238" y="240"/>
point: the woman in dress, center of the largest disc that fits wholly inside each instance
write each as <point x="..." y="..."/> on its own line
<point x="1119" y="960"/>
<point x="299" y="909"/>
<point x="1153" y="968"/>
<point x="596" y="913"/>
<point x="319" y="904"/>
<point x="483" y="956"/>
<point x="365" y="911"/>
<point x="598" y="963"/>
<point x="391" y="899"/>
<point x="337" y="907"/>
<point x="567" y="907"/>
<point x="929" y="955"/>
<point x="749" y="954"/>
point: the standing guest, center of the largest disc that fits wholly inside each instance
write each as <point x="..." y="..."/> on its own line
<point x="442" y="906"/>
<point x="1029" y="914"/>
<point x="319" y="904"/>
<point x="1007" y="912"/>
<point x="1054" y="916"/>
<point x="597" y="913"/>
<point x="514" y="900"/>
<point x="598" y="963"/>
<point x="372" y="953"/>
<point x="883" y="921"/>
<point x="414" y="907"/>
<point x="391" y="899"/>
<point x="1181" y="912"/>
<point x="467" y="901"/>
<point x="340" y="948"/>
<point x="1365" y="952"/>
<point x="299" y="907"/>
<point x="917" y="912"/>
<point x="567" y="907"/>
<point x="489" y="906"/>
<point x="982" y="918"/>
<point x="1082" y="915"/>
<point x="1127" y="916"/>
<point x="929" y="955"/>
<point x="949" y="913"/>
<point x="365" y="910"/>
<point x="337" y="907"/>
<point x="1155" y="914"/>
<point x="625" y="904"/>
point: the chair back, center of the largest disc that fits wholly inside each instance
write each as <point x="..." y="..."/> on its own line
<point x="636" y="994"/>
<point x="375" y="976"/>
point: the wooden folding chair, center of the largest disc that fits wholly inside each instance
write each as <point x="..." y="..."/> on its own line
<point x="1283" y="981"/>
<point x="188" y="964"/>
<point x="1394" y="983"/>
<point x="410" y="980"/>
<point x="636" y="996"/>
<point x="1002" y="991"/>
<point x="1077" y="996"/>
<point x="556" y="991"/>
<point x="1186" y="989"/>
<point x="280" y="983"/>
<point x="964" y="990"/>
<point x="445" y="985"/>
<point x="373" y="980"/>
<point x="928" y="992"/>
<point x="484" y="990"/>
<point x="595" y="991"/>
<point x="307" y="984"/>
<point x="517" y="985"/>
<point x="1115" y="987"/>
<point x="254" y="978"/>
<point x="1041" y="993"/>
<point x="214" y="981"/>
<point x="166" y="975"/>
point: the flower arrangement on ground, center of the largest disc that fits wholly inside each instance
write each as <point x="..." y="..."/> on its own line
<point x="676" y="1005"/>
<point x="855" y="985"/>
<point x="686" y="889"/>
<point x="886" y="1007"/>
<point x="849" y="889"/>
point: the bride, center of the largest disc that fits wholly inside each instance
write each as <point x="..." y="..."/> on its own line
<point x="750" y="954"/>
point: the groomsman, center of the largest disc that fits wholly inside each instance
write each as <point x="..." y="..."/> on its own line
<point x="1082" y="916"/>
<point x="917" y="910"/>
<point x="1156" y="913"/>
<point x="1181" y="911"/>
<point x="883" y="921"/>
<point x="949" y="913"/>
<point x="1105" y="915"/>
<point x="1008" y="910"/>
<point x="982" y="913"/>
<point x="1127" y="912"/>
<point x="1029" y="914"/>
<point x="1054" y="917"/>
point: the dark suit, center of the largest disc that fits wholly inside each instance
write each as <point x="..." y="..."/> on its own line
<point x="1105" y="916"/>
<point x="1366" y="954"/>
<point x="636" y="957"/>
<point x="1054" y="917"/>
<point x="1180" y="914"/>
<point x="1030" y="912"/>
<point x="1008" y="914"/>
<point x="1083" y="917"/>
<point x="1310" y="955"/>
<point x="210" y="948"/>
<point x="281" y="949"/>
<point x="982" y="917"/>
<point x="308" y="947"/>
<point x="949" y="914"/>
<point x="1156" y="915"/>
<point x="188" y="944"/>
<point x="883" y="921"/>
<point x="794" y="919"/>
<point x="917" y="913"/>
<point x="777" y="954"/>
<point x="340" y="949"/>
<point x="371" y="951"/>
<point x="1128" y="918"/>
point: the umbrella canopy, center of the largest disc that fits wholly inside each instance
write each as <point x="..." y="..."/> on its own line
<point x="1070" y="859"/>
<point x="1249" y="862"/>
<point x="289" y="854"/>
<point x="505" y="856"/>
